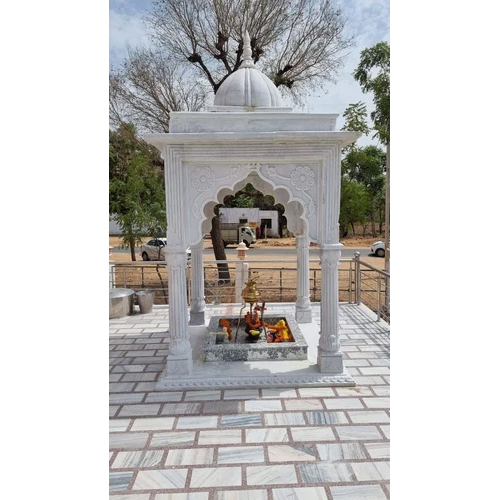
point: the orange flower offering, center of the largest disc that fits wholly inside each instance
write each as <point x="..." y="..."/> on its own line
<point x="225" y="323"/>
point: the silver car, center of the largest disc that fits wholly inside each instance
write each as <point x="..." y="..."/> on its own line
<point x="155" y="250"/>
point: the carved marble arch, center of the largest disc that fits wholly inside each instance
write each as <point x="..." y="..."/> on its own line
<point x="295" y="186"/>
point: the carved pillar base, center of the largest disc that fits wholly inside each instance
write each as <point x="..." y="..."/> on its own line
<point x="197" y="318"/>
<point x="180" y="364"/>
<point x="303" y="315"/>
<point x="330" y="362"/>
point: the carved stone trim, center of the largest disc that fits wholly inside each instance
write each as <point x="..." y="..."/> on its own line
<point x="202" y="178"/>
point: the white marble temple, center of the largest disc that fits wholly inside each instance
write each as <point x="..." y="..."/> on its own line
<point x="240" y="454"/>
<point x="378" y="450"/>
<point x="261" y="405"/>
<point x="303" y="404"/>
<point x="153" y="424"/>
<point x="241" y="495"/>
<point x="335" y="452"/>
<point x="216" y="477"/>
<point x="220" y="436"/>
<point x="275" y="435"/>
<point x="362" y="492"/>
<point x="291" y="453"/>
<point x="196" y="456"/>
<point x="358" y="432"/>
<point x="198" y="422"/>
<point x="284" y="419"/>
<point x="312" y="434"/>
<point x="308" y="493"/>
<point x="162" y="479"/>
<point x="131" y="459"/>
<point x="371" y="471"/>
<point x="271" y="474"/>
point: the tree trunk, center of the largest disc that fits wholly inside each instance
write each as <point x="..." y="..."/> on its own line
<point x="219" y="252"/>
<point x="374" y="229"/>
<point x="132" y="250"/>
<point x="353" y="230"/>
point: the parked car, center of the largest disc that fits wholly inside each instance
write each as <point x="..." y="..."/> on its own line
<point x="155" y="250"/>
<point x="378" y="248"/>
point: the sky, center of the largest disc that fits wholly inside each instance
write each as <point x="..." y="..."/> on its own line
<point x="367" y="19"/>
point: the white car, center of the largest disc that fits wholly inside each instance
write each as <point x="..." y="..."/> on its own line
<point x="155" y="250"/>
<point x="378" y="248"/>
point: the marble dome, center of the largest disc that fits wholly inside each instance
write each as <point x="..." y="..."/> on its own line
<point x="248" y="87"/>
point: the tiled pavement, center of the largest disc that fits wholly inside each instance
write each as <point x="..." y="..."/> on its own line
<point x="301" y="443"/>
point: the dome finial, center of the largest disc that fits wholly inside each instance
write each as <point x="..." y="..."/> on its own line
<point x="247" y="61"/>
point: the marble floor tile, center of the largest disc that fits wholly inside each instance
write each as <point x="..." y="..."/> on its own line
<point x="224" y="436"/>
<point x="378" y="450"/>
<point x="284" y="419"/>
<point x="371" y="471"/>
<point x="131" y="459"/>
<point x="174" y="438"/>
<point x="348" y="363"/>
<point x="343" y="403"/>
<point x="353" y="392"/>
<point x="163" y="397"/>
<point x="326" y="417"/>
<point x="139" y="496"/>
<point x="126" y="440"/>
<point x="198" y="422"/>
<point x="369" y="417"/>
<point x="194" y="456"/>
<point x="202" y="395"/>
<point x="274" y="435"/>
<point x="241" y="495"/>
<point x="162" y="479"/>
<point x="241" y="394"/>
<point x="279" y="393"/>
<point x="181" y="409"/>
<point x="263" y="405"/>
<point x="386" y="431"/>
<point x="153" y="424"/>
<point x="377" y="402"/>
<point x="139" y="377"/>
<point x="241" y="420"/>
<point x="291" y="453"/>
<point x="240" y="454"/>
<point x="119" y="399"/>
<point x="113" y="410"/>
<point x="358" y="432"/>
<point x="326" y="473"/>
<point x="202" y="495"/>
<point x="271" y="474"/>
<point x="382" y="390"/>
<point x="362" y="492"/>
<point x="119" y="480"/>
<point x="315" y="392"/>
<point x="303" y="404"/>
<point x="119" y="424"/>
<point x="223" y="407"/>
<point x="335" y="452"/>
<point x="308" y="493"/>
<point x="139" y="410"/>
<point x="312" y="434"/>
<point x="216" y="477"/>
<point x="369" y="380"/>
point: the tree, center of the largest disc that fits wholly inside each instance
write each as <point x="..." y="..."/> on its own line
<point x="373" y="75"/>
<point x="136" y="191"/>
<point x="354" y="205"/>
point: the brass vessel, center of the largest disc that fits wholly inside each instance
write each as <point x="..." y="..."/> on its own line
<point x="250" y="293"/>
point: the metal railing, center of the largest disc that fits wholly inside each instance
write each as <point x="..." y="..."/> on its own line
<point x="359" y="282"/>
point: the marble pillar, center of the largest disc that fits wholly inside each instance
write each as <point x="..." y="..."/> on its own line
<point x="197" y="285"/>
<point x="303" y="311"/>
<point x="180" y="357"/>
<point x="329" y="354"/>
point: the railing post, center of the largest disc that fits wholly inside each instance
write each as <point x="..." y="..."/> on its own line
<point x="357" y="271"/>
<point x="281" y="285"/>
<point x="350" y="282"/>
<point x="378" y="297"/>
<point x="241" y="269"/>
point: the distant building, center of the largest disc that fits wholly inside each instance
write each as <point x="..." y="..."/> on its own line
<point x="253" y="217"/>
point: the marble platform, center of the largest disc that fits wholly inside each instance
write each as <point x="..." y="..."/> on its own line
<point x="243" y="348"/>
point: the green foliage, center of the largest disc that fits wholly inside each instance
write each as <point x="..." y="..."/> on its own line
<point x="242" y="201"/>
<point x="354" y="204"/>
<point x="136" y="190"/>
<point x="373" y="75"/>
<point x="355" y="117"/>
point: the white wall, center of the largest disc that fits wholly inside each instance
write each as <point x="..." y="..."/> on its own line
<point x="113" y="226"/>
<point x="254" y="216"/>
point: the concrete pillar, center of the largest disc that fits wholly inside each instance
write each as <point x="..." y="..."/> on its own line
<point x="197" y="285"/>
<point x="303" y="311"/>
<point x="329" y="354"/>
<point x="180" y="357"/>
